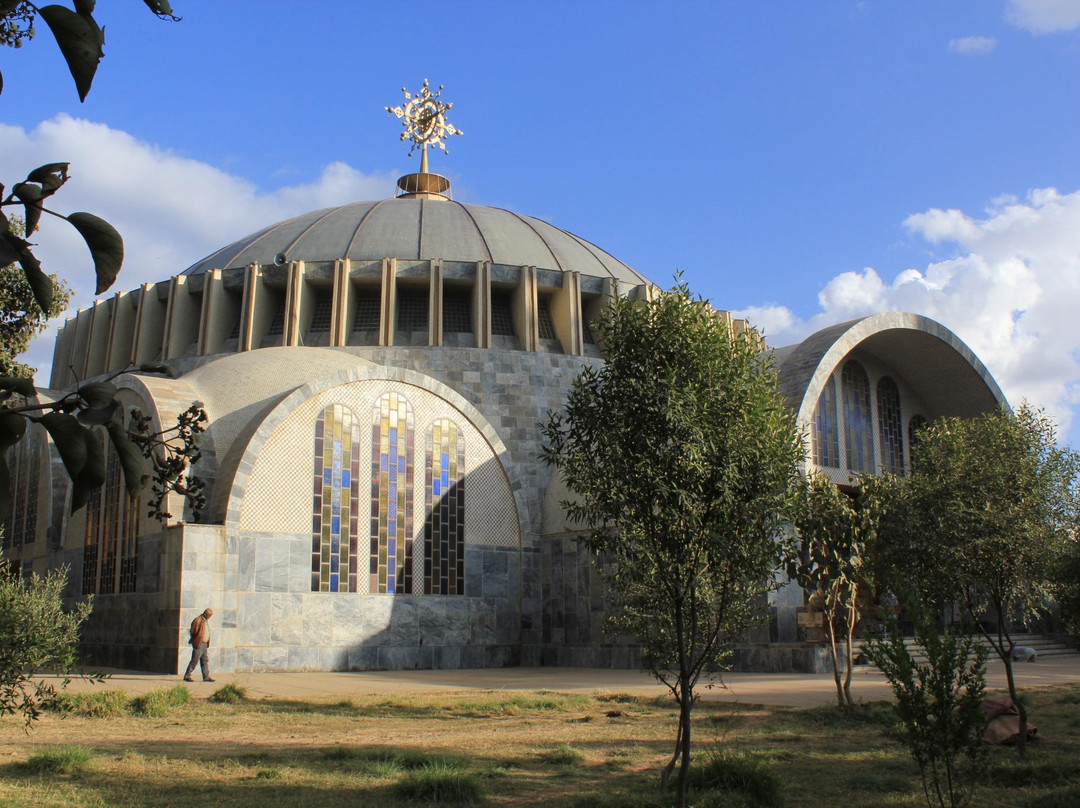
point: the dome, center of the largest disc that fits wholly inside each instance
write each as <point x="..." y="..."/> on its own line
<point x="416" y="228"/>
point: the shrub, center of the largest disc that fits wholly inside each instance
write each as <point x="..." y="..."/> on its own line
<point x="160" y="702"/>
<point x="39" y="635"/>
<point x="741" y="776"/>
<point x="439" y="783"/>
<point x="99" y="704"/>
<point x="231" y="693"/>
<point x="562" y="755"/>
<point x="939" y="705"/>
<point x="60" y="760"/>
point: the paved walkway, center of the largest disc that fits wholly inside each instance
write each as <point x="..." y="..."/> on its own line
<point x="796" y="690"/>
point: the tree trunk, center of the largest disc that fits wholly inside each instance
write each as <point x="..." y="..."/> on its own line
<point x="850" y="656"/>
<point x="684" y="730"/>
<point x="830" y="620"/>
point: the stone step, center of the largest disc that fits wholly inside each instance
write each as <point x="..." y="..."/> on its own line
<point x="1044" y="646"/>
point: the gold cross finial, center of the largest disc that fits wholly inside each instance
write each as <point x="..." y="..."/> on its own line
<point x="425" y="119"/>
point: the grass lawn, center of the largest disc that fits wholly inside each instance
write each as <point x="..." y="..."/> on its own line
<point x="495" y="749"/>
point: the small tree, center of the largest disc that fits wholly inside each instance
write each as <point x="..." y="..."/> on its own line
<point x="683" y="456"/>
<point x="37" y="635"/>
<point x="939" y="705"/>
<point x="834" y="535"/>
<point x="989" y="505"/>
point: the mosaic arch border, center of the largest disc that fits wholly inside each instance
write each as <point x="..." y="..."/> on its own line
<point x="833" y="344"/>
<point x="277" y="416"/>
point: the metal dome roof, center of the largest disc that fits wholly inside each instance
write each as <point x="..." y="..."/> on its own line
<point x="413" y="228"/>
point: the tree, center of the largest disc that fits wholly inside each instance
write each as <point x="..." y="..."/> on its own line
<point x="68" y="420"/>
<point x="987" y="509"/>
<point x="21" y="319"/>
<point x="834" y="535"/>
<point x="682" y="456"/>
<point x="939" y="707"/>
<point x="39" y="635"/>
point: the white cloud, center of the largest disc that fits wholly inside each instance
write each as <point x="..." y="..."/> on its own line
<point x="973" y="45"/>
<point x="171" y="210"/>
<point x="1044" y="16"/>
<point x="1010" y="289"/>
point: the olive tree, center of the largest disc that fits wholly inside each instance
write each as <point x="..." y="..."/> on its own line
<point x="834" y="535"/>
<point x="682" y="457"/>
<point x="988" y="507"/>
<point x="39" y="635"/>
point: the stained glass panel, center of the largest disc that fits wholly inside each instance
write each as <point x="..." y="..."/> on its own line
<point x="826" y="437"/>
<point x="392" y="492"/>
<point x="444" y="531"/>
<point x="335" y="501"/>
<point x="857" y="424"/>
<point x="890" y="427"/>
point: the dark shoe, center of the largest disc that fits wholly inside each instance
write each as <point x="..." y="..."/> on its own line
<point x="188" y="679"/>
<point x="209" y="680"/>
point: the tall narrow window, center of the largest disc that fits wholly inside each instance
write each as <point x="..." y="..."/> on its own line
<point x="890" y="427"/>
<point x="457" y="311"/>
<point x="24" y="461"/>
<point x="915" y="427"/>
<point x="111" y="543"/>
<point x="826" y="437"/>
<point x="391" y="496"/>
<point x="857" y="425"/>
<point x="335" y="521"/>
<point x="444" y="532"/>
<point x="320" y="317"/>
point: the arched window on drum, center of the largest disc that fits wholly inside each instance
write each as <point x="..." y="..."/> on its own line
<point x="858" y="429"/>
<point x="444" y="531"/>
<point x="915" y="427"/>
<point x="335" y="521"/>
<point x="890" y="427"/>
<point x="826" y="435"/>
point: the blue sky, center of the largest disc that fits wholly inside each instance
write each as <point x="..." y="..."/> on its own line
<point x="772" y="151"/>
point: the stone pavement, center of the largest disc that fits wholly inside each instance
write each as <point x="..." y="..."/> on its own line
<point x="790" y="689"/>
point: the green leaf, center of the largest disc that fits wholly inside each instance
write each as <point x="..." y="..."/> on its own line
<point x="80" y="40"/>
<point x="8" y="254"/>
<point x="40" y="283"/>
<point x="136" y="467"/>
<point x="98" y="416"/>
<point x="49" y="176"/>
<point x="93" y="473"/>
<point x="12" y="428"/>
<point x="158" y="367"/>
<point x="68" y="436"/>
<point x="18" y="384"/>
<point x="162" y="9"/>
<point x="106" y="246"/>
<point x="30" y="195"/>
<point x="98" y="394"/>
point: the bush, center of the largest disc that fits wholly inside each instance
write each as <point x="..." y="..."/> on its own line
<point x="562" y="755"/>
<point x="60" y="760"/>
<point x="741" y="776"/>
<point x="160" y="702"/>
<point x="38" y="636"/>
<point x="99" y="704"/>
<point x="439" y="783"/>
<point x="939" y="705"/>
<point x="231" y="693"/>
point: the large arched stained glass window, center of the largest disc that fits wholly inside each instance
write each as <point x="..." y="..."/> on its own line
<point x="915" y="426"/>
<point x="444" y="532"/>
<point x="335" y="521"/>
<point x="391" y="496"/>
<point x="890" y="427"/>
<point x="110" y="549"/>
<point x="826" y="437"/>
<point x="23" y="463"/>
<point x="858" y="432"/>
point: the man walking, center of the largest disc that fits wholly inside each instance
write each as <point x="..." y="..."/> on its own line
<point x="200" y="646"/>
